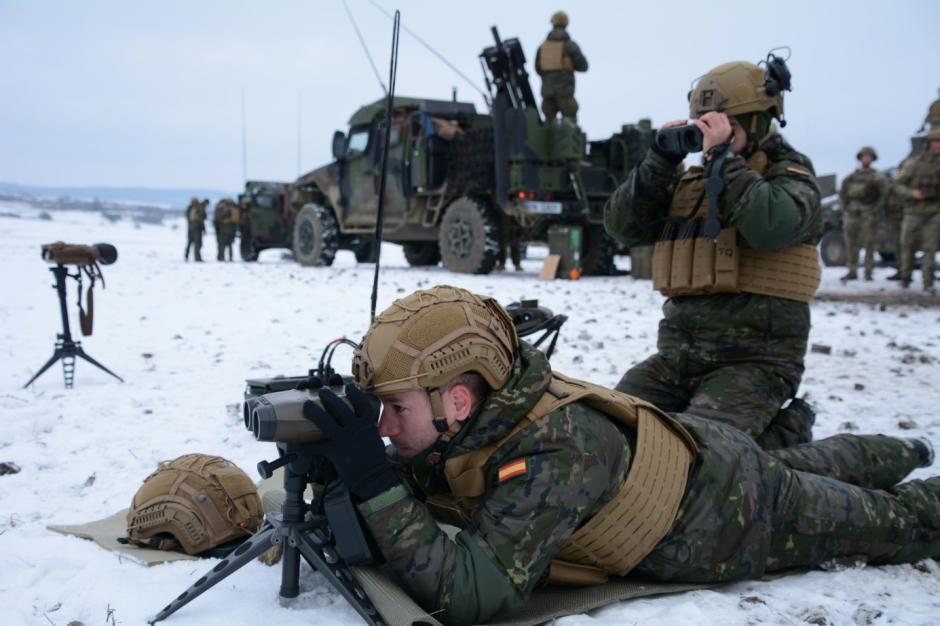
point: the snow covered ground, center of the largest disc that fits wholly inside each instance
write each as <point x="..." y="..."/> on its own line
<point x="185" y="336"/>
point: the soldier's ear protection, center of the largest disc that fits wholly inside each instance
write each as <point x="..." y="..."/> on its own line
<point x="777" y="75"/>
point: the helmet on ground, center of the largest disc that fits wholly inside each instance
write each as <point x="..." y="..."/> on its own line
<point x="560" y="19"/>
<point x="194" y="503"/>
<point x="426" y="339"/>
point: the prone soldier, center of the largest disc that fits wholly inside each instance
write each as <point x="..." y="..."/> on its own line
<point x="863" y="195"/>
<point x="556" y="61"/>
<point x="736" y="322"/>
<point x="559" y="480"/>
<point x="196" y="226"/>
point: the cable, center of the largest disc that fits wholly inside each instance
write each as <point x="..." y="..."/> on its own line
<point x="365" y="48"/>
<point x="431" y="50"/>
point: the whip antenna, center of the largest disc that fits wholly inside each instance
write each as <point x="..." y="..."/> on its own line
<point x="380" y="214"/>
<point x="365" y="48"/>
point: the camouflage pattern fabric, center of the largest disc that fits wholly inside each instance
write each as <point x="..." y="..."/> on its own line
<point x="743" y="512"/>
<point x="196" y="226"/>
<point x="732" y="357"/>
<point x="558" y="85"/>
<point x="863" y="195"/>
<point x="921" y="224"/>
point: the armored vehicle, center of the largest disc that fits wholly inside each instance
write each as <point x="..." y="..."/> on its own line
<point x="461" y="183"/>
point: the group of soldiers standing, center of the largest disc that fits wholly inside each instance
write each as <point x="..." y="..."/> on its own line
<point x="225" y="218"/>
<point x="910" y="204"/>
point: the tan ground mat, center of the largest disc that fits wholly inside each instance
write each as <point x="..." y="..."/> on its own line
<point x="391" y="600"/>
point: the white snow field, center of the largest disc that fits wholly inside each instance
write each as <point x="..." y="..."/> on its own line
<point x="185" y="336"/>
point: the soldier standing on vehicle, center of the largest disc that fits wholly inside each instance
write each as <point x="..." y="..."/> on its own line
<point x="559" y="480"/>
<point x="919" y="184"/>
<point x="863" y="195"/>
<point x="556" y="61"/>
<point x="196" y="226"/>
<point x="735" y="327"/>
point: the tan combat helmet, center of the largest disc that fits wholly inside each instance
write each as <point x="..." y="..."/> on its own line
<point x="425" y="340"/>
<point x="560" y="19"/>
<point x="195" y="503"/>
<point x="741" y="87"/>
<point x="867" y="150"/>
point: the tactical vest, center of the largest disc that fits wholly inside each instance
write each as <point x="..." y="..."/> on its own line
<point x="861" y="188"/>
<point x="926" y="177"/>
<point x="552" y="57"/>
<point x="686" y="263"/>
<point x="193" y="214"/>
<point x="632" y="523"/>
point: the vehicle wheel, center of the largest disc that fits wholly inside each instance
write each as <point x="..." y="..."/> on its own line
<point x="469" y="237"/>
<point x="316" y="236"/>
<point x="365" y="250"/>
<point x="248" y="251"/>
<point x="422" y="253"/>
<point x="598" y="252"/>
<point x="832" y="249"/>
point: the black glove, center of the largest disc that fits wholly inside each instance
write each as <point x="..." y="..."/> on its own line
<point x="353" y="443"/>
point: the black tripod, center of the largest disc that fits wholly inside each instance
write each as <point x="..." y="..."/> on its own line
<point x="65" y="348"/>
<point x="327" y="537"/>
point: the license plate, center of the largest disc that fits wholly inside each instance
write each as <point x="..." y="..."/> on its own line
<point x="542" y="208"/>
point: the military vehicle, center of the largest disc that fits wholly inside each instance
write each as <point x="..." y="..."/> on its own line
<point x="458" y="179"/>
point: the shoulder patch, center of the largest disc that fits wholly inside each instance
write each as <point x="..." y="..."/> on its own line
<point x="798" y="170"/>
<point x="512" y="469"/>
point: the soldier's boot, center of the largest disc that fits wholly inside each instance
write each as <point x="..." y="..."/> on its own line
<point x="851" y="275"/>
<point x="905" y="282"/>
<point x="895" y="276"/>
<point x="868" y="276"/>
<point x="791" y="426"/>
<point x="924" y="449"/>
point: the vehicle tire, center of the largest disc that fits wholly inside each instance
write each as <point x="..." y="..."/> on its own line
<point x="469" y="237"/>
<point x="365" y="250"/>
<point x="248" y="251"/>
<point x="832" y="249"/>
<point x="599" y="249"/>
<point x="422" y="253"/>
<point x="316" y="236"/>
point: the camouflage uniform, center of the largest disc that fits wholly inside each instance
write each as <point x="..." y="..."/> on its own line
<point x="863" y="195"/>
<point x="745" y="511"/>
<point x="921" y="217"/>
<point x="558" y="85"/>
<point x="735" y="358"/>
<point x="894" y="216"/>
<point x="196" y="226"/>
<point x="225" y="220"/>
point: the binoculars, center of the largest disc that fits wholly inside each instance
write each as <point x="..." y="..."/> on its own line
<point x="63" y="253"/>
<point x="679" y="140"/>
<point x="279" y="416"/>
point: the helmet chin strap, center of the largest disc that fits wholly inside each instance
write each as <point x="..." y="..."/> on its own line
<point x="446" y="432"/>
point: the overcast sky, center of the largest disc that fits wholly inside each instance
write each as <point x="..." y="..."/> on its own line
<point x="148" y="93"/>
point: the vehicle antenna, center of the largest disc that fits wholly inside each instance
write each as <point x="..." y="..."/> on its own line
<point x="432" y="50"/>
<point x="380" y="213"/>
<point x="365" y="48"/>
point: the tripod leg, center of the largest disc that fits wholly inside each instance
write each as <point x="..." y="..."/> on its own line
<point x="242" y="555"/>
<point x="55" y="357"/>
<point x="325" y="560"/>
<point x="81" y="353"/>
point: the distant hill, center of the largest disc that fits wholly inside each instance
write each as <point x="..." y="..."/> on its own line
<point x="144" y="195"/>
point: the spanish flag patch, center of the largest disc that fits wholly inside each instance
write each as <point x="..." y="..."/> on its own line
<point x="511" y="470"/>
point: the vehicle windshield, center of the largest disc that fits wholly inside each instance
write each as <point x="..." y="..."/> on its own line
<point x="358" y="141"/>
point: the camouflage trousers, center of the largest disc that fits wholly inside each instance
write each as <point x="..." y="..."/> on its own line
<point x="746" y="512"/>
<point x="893" y="235"/>
<point x="566" y="105"/>
<point x="860" y="233"/>
<point x="194" y="242"/>
<point x="747" y="396"/>
<point x="919" y="231"/>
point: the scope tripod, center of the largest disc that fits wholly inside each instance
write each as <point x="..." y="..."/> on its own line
<point x="320" y="534"/>
<point x="66" y="348"/>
